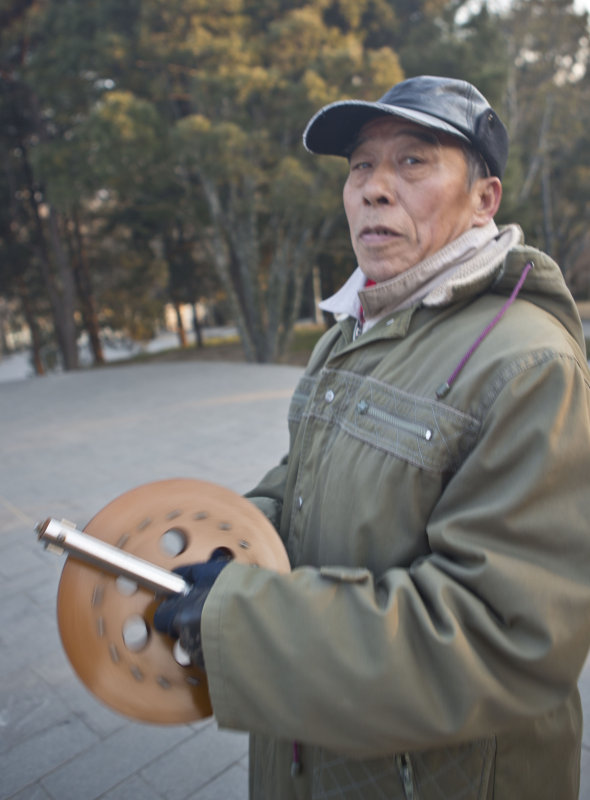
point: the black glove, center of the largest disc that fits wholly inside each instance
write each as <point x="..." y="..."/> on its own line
<point x="180" y="616"/>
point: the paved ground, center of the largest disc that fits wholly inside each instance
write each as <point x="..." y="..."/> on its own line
<point x="70" y="444"/>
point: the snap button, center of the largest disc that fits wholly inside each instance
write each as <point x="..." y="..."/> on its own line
<point x="329" y="396"/>
<point x="299" y="502"/>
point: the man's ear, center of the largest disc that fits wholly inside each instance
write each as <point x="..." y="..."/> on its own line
<point x="487" y="194"/>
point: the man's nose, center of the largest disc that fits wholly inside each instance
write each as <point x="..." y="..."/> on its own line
<point x="379" y="188"/>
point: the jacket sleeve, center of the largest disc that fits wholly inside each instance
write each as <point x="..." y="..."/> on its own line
<point x="267" y="496"/>
<point x="490" y="628"/>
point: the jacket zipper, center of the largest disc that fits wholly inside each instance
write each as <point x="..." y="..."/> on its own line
<point x="406" y="772"/>
<point x="397" y="422"/>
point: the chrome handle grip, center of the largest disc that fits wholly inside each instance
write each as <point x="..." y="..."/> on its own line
<point x="63" y="536"/>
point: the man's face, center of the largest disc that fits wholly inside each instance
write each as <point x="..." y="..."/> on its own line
<point x="406" y="196"/>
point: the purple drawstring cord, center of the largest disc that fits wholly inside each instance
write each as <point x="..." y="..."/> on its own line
<point x="444" y="388"/>
<point x="296" y="763"/>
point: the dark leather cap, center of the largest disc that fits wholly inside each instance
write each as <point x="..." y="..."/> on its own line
<point x="444" y="104"/>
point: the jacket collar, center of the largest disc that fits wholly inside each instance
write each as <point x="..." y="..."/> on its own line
<point x="467" y="264"/>
<point x="472" y="260"/>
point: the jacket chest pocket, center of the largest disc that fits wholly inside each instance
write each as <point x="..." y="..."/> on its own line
<point x="419" y="430"/>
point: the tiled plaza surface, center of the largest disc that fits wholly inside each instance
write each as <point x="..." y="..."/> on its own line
<point x="69" y="444"/>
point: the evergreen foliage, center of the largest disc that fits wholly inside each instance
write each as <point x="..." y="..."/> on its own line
<point x="152" y="149"/>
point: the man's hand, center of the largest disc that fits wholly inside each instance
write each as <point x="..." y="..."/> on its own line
<point x="180" y="616"/>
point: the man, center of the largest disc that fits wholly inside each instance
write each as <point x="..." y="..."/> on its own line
<point x="434" y="502"/>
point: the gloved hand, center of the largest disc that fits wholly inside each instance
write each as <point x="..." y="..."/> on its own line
<point x="180" y="616"/>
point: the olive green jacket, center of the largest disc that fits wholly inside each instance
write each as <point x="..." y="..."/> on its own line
<point x="428" y="641"/>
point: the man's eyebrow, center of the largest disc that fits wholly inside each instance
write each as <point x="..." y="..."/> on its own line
<point x="422" y="135"/>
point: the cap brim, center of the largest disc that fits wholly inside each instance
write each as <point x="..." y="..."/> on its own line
<point x="334" y="129"/>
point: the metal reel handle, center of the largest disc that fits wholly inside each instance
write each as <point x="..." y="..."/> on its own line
<point x="60" y="536"/>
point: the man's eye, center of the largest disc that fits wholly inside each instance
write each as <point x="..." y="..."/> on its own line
<point x="411" y="160"/>
<point x="356" y="165"/>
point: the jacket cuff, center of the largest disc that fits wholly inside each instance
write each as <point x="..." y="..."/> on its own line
<point x="212" y="642"/>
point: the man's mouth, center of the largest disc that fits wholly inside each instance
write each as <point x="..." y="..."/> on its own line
<point x="377" y="232"/>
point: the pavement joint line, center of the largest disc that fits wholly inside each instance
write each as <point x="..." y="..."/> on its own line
<point x="247" y="397"/>
<point x="20" y="515"/>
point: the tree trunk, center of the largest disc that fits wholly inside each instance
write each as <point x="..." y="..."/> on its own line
<point x="221" y="261"/>
<point x="64" y="327"/>
<point x="547" y="209"/>
<point x="180" y="327"/>
<point x="68" y="294"/>
<point x="538" y="160"/>
<point x="265" y="304"/>
<point x="31" y="320"/>
<point x="86" y="295"/>
<point x="197" y="327"/>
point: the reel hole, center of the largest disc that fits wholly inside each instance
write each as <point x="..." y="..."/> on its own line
<point x="173" y="542"/>
<point x="180" y="655"/>
<point x="135" y="633"/>
<point x="222" y="554"/>
<point x="125" y="586"/>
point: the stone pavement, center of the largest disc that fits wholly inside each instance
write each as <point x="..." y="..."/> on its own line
<point x="69" y="444"/>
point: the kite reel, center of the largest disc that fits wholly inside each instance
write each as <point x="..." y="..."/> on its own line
<point x="119" y="568"/>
